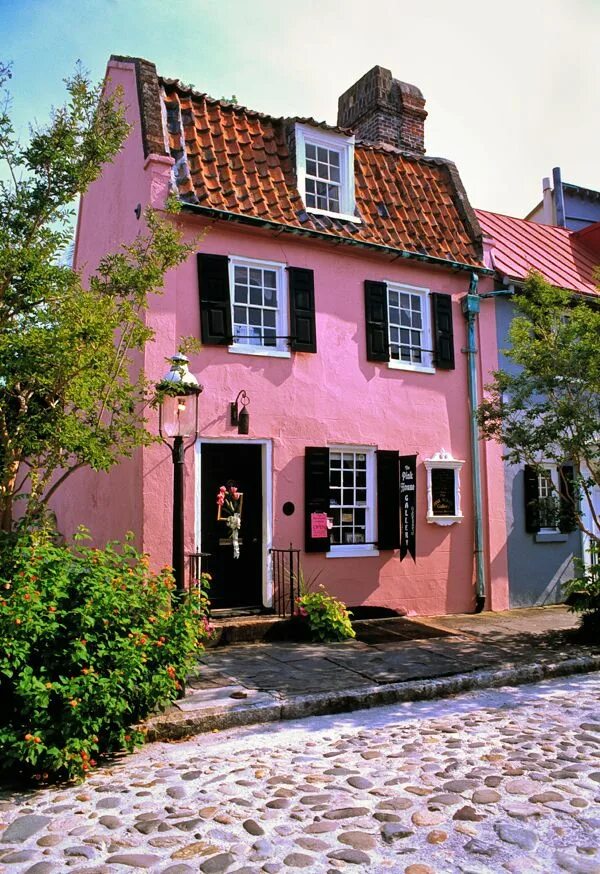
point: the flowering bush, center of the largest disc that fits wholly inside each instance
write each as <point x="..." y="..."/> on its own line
<point x="328" y="619"/>
<point x="90" y="645"/>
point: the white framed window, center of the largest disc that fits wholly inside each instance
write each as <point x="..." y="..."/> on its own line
<point x="325" y="170"/>
<point x="443" y="489"/>
<point x="548" y="492"/>
<point x="353" y="497"/>
<point x="259" y="310"/>
<point x="409" y="327"/>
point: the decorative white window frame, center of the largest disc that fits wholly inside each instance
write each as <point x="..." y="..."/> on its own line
<point x="427" y="332"/>
<point x="345" y="146"/>
<point x="360" y="550"/>
<point x="444" y="461"/>
<point x="281" y="350"/>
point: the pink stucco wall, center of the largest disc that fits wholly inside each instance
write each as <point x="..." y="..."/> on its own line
<point x="334" y="396"/>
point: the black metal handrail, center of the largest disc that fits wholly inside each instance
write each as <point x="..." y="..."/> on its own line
<point x="286" y="580"/>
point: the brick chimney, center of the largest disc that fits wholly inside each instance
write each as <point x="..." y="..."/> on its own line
<point x="380" y="109"/>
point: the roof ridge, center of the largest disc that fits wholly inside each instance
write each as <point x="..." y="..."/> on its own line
<point x="240" y="108"/>
<point x="526" y="221"/>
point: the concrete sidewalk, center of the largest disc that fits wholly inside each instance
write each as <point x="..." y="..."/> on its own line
<point x="391" y="660"/>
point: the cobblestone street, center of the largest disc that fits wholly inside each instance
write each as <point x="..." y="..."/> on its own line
<point x="505" y="780"/>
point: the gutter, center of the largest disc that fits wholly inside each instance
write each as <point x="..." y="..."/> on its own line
<point x="471" y="303"/>
<point x="254" y="221"/>
<point x="470" y="306"/>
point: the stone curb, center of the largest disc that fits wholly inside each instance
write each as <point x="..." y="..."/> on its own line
<point x="176" y="725"/>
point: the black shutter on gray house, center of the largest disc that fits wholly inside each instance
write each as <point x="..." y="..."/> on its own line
<point x="303" y="334"/>
<point x="443" y="332"/>
<point x="316" y="494"/>
<point x="215" y="306"/>
<point x="376" y="317"/>
<point x="568" y="505"/>
<point x="532" y="516"/>
<point x="388" y="499"/>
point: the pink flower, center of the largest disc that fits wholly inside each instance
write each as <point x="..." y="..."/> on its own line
<point x="234" y="493"/>
<point x="222" y="489"/>
<point x="220" y="500"/>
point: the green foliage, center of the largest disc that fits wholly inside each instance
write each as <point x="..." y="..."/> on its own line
<point x="583" y="593"/>
<point x="90" y="646"/>
<point x="71" y="390"/>
<point x="549" y="409"/>
<point x="328" y="619"/>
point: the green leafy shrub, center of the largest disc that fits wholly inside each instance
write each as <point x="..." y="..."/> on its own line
<point x="327" y="618"/>
<point x="583" y="594"/>
<point x="90" y="645"/>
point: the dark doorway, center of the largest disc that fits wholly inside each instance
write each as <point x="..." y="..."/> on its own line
<point x="236" y="583"/>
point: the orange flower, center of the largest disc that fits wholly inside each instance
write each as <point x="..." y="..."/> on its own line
<point x="73" y="702"/>
<point x="52" y="609"/>
<point x="49" y="686"/>
<point x="27" y="597"/>
<point x="28" y="737"/>
<point x="17" y="621"/>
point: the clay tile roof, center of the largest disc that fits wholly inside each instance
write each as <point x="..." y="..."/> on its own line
<point x="562" y="256"/>
<point x="234" y="159"/>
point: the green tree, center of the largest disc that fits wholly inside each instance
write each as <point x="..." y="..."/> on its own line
<point x="69" y="395"/>
<point x="549" y="408"/>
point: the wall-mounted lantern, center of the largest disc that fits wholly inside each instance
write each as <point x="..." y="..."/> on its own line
<point x="241" y="418"/>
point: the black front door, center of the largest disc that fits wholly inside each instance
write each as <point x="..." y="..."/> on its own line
<point x="236" y="582"/>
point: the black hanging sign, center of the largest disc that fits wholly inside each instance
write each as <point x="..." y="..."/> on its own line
<point x="408" y="506"/>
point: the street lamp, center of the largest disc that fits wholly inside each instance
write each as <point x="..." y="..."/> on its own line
<point x="177" y="394"/>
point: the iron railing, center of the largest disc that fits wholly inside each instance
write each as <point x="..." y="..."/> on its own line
<point x="286" y="580"/>
<point x="195" y="567"/>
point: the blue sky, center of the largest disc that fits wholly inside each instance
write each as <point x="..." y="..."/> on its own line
<point x="512" y="88"/>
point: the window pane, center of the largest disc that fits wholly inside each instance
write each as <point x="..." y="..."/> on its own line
<point x="334" y="174"/>
<point x="404" y="301"/>
<point x="269" y="317"/>
<point x="322" y="154"/>
<point x="269" y="337"/>
<point x="311" y="168"/>
<point x="255" y="276"/>
<point x="241" y="274"/>
<point x="311" y="151"/>
<point x="270" y="297"/>
<point x="241" y="294"/>
<point x="334" y="158"/>
<point x="240" y="315"/>
<point x="404" y="317"/>
<point x="269" y="278"/>
<point x="394" y="315"/>
<point x="417" y="320"/>
<point x="256" y="296"/>
<point x="255" y="316"/>
<point x="415" y="302"/>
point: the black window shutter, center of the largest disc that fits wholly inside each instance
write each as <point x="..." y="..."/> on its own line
<point x="316" y="494"/>
<point x="376" y="316"/>
<point x="567" y="499"/>
<point x="215" y="306"/>
<point x="443" y="333"/>
<point x="532" y="521"/>
<point x="388" y="499"/>
<point x="302" y="310"/>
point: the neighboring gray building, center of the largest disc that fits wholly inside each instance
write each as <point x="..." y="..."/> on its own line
<point x="540" y="545"/>
<point x="565" y="205"/>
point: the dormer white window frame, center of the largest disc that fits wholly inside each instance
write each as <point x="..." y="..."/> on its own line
<point x="344" y="146"/>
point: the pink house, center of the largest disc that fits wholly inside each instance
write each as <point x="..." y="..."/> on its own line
<point x="331" y="264"/>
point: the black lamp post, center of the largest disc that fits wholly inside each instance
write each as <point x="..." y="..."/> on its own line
<point x="178" y="421"/>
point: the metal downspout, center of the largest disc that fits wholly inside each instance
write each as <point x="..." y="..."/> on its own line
<point x="470" y="308"/>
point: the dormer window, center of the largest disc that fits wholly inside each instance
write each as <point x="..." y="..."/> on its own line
<point x="325" y="167"/>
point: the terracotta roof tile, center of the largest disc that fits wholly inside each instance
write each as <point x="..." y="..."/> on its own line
<point x="238" y="160"/>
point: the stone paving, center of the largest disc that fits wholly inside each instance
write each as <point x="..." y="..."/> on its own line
<point x="505" y="780"/>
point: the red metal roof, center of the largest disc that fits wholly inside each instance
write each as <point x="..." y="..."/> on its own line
<point x="560" y="255"/>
